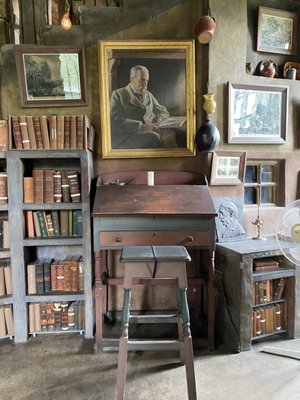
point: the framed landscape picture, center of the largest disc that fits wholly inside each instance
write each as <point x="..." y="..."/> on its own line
<point x="147" y="98"/>
<point x="277" y="31"/>
<point x="257" y="114"/>
<point x="51" y="76"/>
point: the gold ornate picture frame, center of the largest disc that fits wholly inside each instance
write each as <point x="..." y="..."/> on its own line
<point x="171" y="89"/>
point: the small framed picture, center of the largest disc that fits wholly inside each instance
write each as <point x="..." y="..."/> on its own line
<point x="228" y="168"/>
<point x="277" y="31"/>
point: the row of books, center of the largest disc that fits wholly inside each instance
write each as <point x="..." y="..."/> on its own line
<point x="49" y="186"/>
<point x="4" y="234"/>
<point x="267" y="263"/>
<point x="269" y="319"/>
<point x="3" y="188"/>
<point x="5" y="278"/>
<point x="58" y="316"/>
<point x="56" y="223"/>
<point x="268" y="290"/>
<point x="6" y="320"/>
<point x="48" y="275"/>
<point x="62" y="132"/>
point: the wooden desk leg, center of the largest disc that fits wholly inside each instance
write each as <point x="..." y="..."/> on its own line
<point x="100" y="296"/>
<point x="211" y="301"/>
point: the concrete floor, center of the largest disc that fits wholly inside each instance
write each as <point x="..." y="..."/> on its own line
<point x="65" y="367"/>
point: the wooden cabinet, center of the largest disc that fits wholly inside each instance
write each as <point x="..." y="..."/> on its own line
<point x="24" y="249"/>
<point x="238" y="308"/>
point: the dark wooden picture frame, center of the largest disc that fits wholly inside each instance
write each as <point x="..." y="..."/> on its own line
<point x="228" y="168"/>
<point x="276" y="31"/>
<point x="51" y="76"/>
<point x="257" y="114"/>
<point x="171" y="66"/>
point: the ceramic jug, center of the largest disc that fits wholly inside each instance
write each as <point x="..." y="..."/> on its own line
<point x="205" y="29"/>
<point x="268" y="69"/>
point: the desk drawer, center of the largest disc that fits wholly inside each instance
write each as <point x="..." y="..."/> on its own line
<point x="154" y="238"/>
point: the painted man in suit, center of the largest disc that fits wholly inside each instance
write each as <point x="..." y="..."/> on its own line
<point x="136" y="114"/>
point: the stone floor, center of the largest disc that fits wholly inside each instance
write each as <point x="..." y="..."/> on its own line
<point x="65" y="367"/>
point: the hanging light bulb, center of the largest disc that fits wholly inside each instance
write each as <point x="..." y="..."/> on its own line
<point x="66" y="22"/>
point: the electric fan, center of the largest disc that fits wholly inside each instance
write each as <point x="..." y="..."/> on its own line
<point x="288" y="238"/>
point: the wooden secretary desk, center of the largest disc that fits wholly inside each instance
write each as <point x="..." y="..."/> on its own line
<point x="177" y="210"/>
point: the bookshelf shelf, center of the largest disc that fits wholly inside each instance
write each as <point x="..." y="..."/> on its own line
<point x="250" y="307"/>
<point x="20" y="164"/>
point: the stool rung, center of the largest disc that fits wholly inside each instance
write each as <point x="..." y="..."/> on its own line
<point x="135" y="344"/>
<point x="154" y="319"/>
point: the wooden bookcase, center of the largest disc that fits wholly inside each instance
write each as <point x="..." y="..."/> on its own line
<point x="236" y="306"/>
<point x="20" y="163"/>
<point x="6" y="299"/>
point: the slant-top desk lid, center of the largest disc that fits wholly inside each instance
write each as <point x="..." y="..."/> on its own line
<point x="185" y="200"/>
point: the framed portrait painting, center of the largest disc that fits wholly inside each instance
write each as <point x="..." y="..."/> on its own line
<point x="276" y="31"/>
<point x="147" y="98"/>
<point x="228" y="168"/>
<point x="257" y="114"/>
<point x="51" y="76"/>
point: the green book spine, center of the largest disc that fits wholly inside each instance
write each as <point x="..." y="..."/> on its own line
<point x="42" y="223"/>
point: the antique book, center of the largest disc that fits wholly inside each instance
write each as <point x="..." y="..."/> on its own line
<point x="3" y="135"/>
<point x="24" y="132"/>
<point x="64" y="222"/>
<point x="3" y="188"/>
<point x="74" y="275"/>
<point x="49" y="223"/>
<point x="48" y="186"/>
<point x="67" y="132"/>
<point x="8" y="277"/>
<point x="278" y="317"/>
<point x="74" y="186"/>
<point x="17" y="132"/>
<point x="39" y="275"/>
<point x="37" y="318"/>
<point x="263" y="320"/>
<point x="57" y="316"/>
<point x="50" y="317"/>
<point x="77" y="223"/>
<point x="9" y="319"/>
<point x="28" y="196"/>
<point x="43" y="316"/>
<point x="81" y="315"/>
<point x="257" y="323"/>
<point x="60" y="275"/>
<point x="265" y="263"/>
<point x="31" y="317"/>
<point x="29" y="224"/>
<point x="73" y="134"/>
<point x="36" y="224"/>
<point x="38" y="132"/>
<point x="265" y="291"/>
<point x="79" y="131"/>
<point x="70" y="222"/>
<point x="45" y="131"/>
<point x="270" y="318"/>
<point x="67" y="274"/>
<point x="2" y="322"/>
<point x="53" y="275"/>
<point x="38" y="185"/>
<point x="2" y="282"/>
<point x="5" y="234"/>
<point x="47" y="274"/>
<point x="71" y="316"/>
<point x="42" y="223"/>
<point x="57" y="187"/>
<point x="55" y="222"/>
<point x="64" y="316"/>
<point x="31" y="278"/>
<point x="174" y="122"/>
<point x="80" y="274"/>
<point x="65" y="187"/>
<point x="60" y="131"/>
<point x="53" y="132"/>
<point x="31" y="134"/>
<point x="279" y="288"/>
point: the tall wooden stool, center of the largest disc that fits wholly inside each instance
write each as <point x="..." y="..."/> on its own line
<point x="157" y="262"/>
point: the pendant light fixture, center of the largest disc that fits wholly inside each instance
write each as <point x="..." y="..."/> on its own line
<point x="66" y="22"/>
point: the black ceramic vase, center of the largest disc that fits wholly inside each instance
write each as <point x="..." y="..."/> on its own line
<point x="207" y="137"/>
